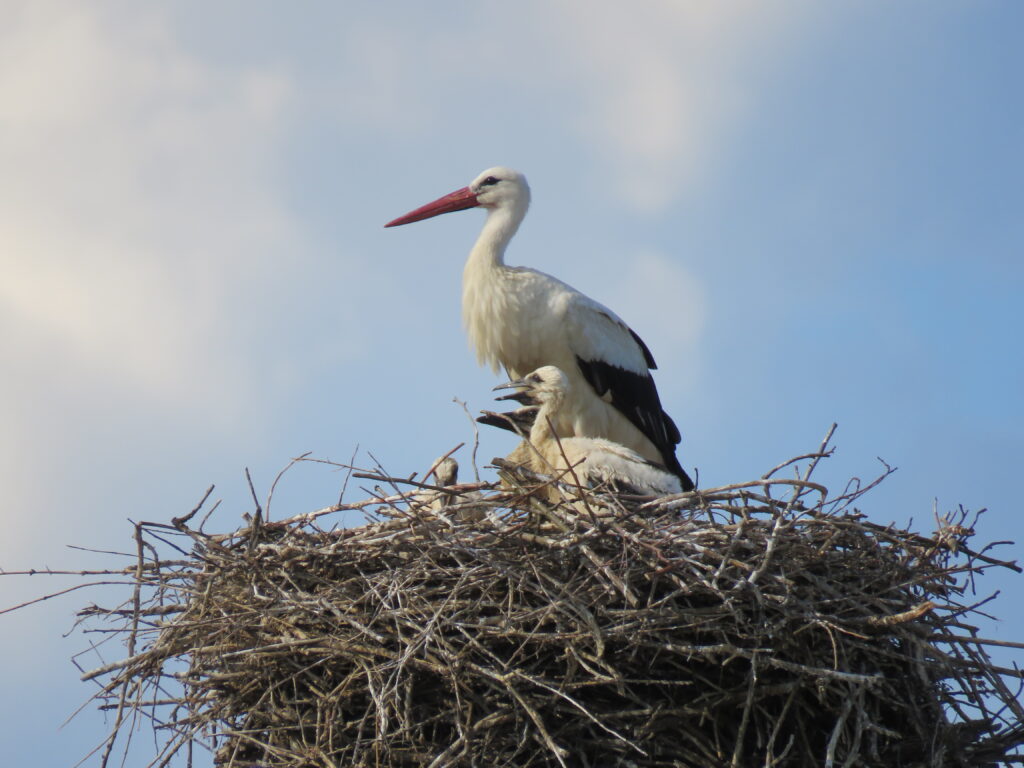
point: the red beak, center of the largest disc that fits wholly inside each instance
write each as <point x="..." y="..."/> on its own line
<point x="458" y="200"/>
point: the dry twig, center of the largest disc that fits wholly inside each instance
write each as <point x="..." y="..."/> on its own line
<point x="718" y="628"/>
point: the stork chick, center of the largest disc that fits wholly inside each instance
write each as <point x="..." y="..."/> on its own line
<point x="595" y="461"/>
<point x="446" y="474"/>
<point x="521" y="319"/>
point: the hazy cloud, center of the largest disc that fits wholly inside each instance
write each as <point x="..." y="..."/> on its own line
<point x="661" y="81"/>
<point x="137" y="187"/>
<point x="666" y="304"/>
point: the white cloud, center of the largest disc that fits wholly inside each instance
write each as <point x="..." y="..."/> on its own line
<point x="665" y="304"/>
<point x="137" y="193"/>
<point x="662" y="80"/>
<point x="648" y="88"/>
<point x="141" y="231"/>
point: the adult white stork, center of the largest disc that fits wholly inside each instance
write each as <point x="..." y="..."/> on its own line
<point x="524" y="319"/>
<point x="593" y="460"/>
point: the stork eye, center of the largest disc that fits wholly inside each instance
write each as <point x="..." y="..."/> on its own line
<point x="490" y="181"/>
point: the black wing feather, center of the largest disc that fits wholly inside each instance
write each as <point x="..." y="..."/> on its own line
<point x="648" y="357"/>
<point x="636" y="396"/>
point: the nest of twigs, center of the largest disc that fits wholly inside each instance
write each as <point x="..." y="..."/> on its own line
<point x="758" y="624"/>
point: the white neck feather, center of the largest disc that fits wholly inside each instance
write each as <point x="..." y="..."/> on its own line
<point x="499" y="227"/>
<point x="541" y="431"/>
<point x="481" y="283"/>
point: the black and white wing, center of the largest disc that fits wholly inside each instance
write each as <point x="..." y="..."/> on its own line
<point x="617" y="364"/>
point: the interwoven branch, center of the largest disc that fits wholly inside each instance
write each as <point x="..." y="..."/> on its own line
<point x="718" y="628"/>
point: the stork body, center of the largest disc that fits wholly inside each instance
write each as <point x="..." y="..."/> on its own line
<point x="522" y="319"/>
<point x="594" y="461"/>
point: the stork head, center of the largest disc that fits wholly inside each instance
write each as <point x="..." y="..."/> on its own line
<point x="496" y="188"/>
<point x="545" y="386"/>
<point x="446" y="471"/>
<point x="500" y="187"/>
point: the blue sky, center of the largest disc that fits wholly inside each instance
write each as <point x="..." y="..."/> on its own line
<point x="811" y="213"/>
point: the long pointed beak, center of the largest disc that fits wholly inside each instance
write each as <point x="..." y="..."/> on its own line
<point x="458" y="200"/>
<point x="520" y="395"/>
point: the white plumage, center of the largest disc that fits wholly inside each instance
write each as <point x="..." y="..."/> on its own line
<point x="594" y="461"/>
<point x="523" y="319"/>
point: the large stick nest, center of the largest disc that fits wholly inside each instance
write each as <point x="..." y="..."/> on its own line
<point x="756" y="624"/>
